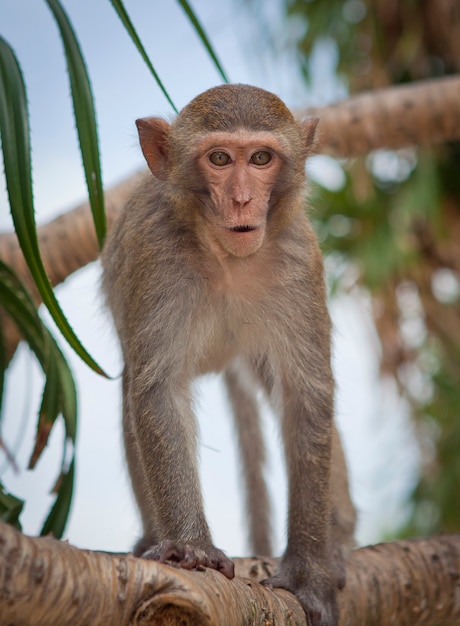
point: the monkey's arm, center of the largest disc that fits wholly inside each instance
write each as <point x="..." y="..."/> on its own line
<point x="306" y="567"/>
<point x="160" y="438"/>
<point x="150" y="291"/>
<point x="161" y="449"/>
<point x="306" y="400"/>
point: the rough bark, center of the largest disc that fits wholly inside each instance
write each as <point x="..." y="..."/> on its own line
<point x="45" y="581"/>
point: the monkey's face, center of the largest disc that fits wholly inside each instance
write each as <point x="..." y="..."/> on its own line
<point x="233" y="186"/>
<point x="240" y="170"/>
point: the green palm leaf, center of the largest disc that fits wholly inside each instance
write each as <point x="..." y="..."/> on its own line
<point x="204" y="38"/>
<point x="10" y="508"/>
<point x="124" y="17"/>
<point x="14" y="125"/>
<point x="85" y="117"/>
<point x="59" y="397"/>
<point x="57" y="518"/>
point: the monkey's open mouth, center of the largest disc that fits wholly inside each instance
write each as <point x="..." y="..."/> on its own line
<point x="243" y="229"/>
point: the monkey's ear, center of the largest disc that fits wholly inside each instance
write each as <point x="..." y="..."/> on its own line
<point x="153" y="137"/>
<point x="309" y="129"/>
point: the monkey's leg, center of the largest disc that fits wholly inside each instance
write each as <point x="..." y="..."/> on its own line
<point x="163" y="428"/>
<point x="252" y="454"/>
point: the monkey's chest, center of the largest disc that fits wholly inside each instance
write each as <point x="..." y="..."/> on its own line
<point x="233" y="328"/>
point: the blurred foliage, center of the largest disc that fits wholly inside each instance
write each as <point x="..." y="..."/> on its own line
<point x="396" y="223"/>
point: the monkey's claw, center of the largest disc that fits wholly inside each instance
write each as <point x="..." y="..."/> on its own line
<point x="188" y="556"/>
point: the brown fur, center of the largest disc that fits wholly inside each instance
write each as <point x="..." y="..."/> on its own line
<point x="191" y="293"/>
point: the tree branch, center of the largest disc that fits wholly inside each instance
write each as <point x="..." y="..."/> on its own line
<point x="45" y="581"/>
<point x="426" y="112"/>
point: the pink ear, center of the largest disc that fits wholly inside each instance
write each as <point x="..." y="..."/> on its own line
<point x="153" y="137"/>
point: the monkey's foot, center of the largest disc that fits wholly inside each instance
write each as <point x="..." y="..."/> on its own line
<point x="315" y="593"/>
<point x="190" y="557"/>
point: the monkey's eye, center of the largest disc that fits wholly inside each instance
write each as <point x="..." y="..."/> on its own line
<point x="261" y="158"/>
<point x="219" y="158"/>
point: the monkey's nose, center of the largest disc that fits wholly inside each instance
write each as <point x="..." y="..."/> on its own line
<point x="241" y="199"/>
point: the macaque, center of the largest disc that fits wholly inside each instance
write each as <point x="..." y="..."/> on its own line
<point x="213" y="266"/>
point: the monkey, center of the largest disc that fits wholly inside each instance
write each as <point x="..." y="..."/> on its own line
<point x="213" y="266"/>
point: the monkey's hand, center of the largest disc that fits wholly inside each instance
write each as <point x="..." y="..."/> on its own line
<point x="313" y="586"/>
<point x="191" y="557"/>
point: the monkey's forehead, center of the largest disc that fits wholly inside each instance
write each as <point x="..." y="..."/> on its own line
<point x="239" y="139"/>
<point x="230" y="107"/>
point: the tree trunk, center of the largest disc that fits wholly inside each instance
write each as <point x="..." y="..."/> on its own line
<point x="45" y="581"/>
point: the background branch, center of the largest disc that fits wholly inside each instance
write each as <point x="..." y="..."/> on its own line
<point x="425" y="112"/>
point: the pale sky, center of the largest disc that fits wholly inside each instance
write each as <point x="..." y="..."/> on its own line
<point x="378" y="439"/>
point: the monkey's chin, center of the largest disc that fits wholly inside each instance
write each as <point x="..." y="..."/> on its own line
<point x="241" y="243"/>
